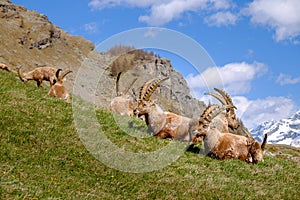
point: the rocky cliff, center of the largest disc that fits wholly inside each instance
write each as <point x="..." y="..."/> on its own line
<point x="29" y="39"/>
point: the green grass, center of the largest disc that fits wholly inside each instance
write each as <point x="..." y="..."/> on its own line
<point x="43" y="157"/>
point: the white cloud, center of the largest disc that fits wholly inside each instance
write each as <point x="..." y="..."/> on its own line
<point x="221" y="18"/>
<point x="91" y="27"/>
<point x="254" y="112"/>
<point x="284" y="79"/>
<point x="164" y="11"/>
<point x="281" y="15"/>
<point x="235" y="77"/>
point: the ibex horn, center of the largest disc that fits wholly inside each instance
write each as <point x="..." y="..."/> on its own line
<point x="247" y="133"/>
<point x="129" y="86"/>
<point x="226" y="97"/>
<point x="149" y="87"/>
<point x="152" y="87"/>
<point x="263" y="145"/>
<point x="118" y="84"/>
<point x="144" y="87"/>
<point x="20" y="73"/>
<point x="212" y="111"/>
<point x="64" y="74"/>
<point x="217" y="96"/>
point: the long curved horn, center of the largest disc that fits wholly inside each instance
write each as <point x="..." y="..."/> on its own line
<point x="64" y="74"/>
<point x="152" y="87"/>
<point x="21" y="75"/>
<point x="212" y="111"/>
<point x="226" y="97"/>
<point x="57" y="73"/>
<point x="118" y="84"/>
<point x="217" y="96"/>
<point x="247" y="133"/>
<point x="263" y="145"/>
<point x="129" y="86"/>
<point x="144" y="87"/>
<point x="149" y="87"/>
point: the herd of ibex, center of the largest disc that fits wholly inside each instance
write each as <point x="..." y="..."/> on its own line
<point x="223" y="135"/>
<point x="51" y="74"/>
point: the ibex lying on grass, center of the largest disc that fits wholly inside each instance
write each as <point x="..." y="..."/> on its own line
<point x="122" y="104"/>
<point x="4" y="67"/>
<point x="163" y="124"/>
<point x="39" y="74"/>
<point x="58" y="90"/>
<point x="225" y="145"/>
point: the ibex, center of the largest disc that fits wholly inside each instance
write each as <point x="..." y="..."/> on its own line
<point x="4" y="67"/>
<point x="58" y="90"/>
<point x="225" y="145"/>
<point x="235" y="125"/>
<point x="163" y="124"/>
<point x="39" y="74"/>
<point x="122" y="104"/>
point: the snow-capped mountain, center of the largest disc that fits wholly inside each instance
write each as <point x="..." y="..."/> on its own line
<point x="285" y="131"/>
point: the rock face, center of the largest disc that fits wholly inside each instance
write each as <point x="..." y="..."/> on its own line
<point x="98" y="86"/>
<point x="31" y="40"/>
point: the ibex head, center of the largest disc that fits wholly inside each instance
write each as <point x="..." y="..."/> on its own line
<point x="208" y="115"/>
<point x="144" y="103"/>
<point x="225" y="99"/>
<point x="61" y="76"/>
<point x="256" y="150"/>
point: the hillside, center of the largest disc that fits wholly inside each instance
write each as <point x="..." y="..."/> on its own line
<point x="44" y="154"/>
<point x="31" y="40"/>
<point x="42" y="157"/>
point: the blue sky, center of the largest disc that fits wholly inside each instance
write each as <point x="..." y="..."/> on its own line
<point x="254" y="44"/>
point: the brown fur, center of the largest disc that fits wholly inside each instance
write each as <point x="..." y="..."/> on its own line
<point x="4" y="67"/>
<point x="58" y="90"/>
<point x="39" y="74"/>
<point x="163" y="124"/>
<point x="122" y="104"/>
<point x="225" y="145"/>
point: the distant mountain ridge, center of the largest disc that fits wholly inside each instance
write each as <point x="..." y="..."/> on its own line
<point x="285" y="131"/>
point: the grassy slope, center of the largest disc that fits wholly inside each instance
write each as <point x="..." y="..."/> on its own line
<point x="43" y="157"/>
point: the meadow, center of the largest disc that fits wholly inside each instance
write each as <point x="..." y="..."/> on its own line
<point x="43" y="157"/>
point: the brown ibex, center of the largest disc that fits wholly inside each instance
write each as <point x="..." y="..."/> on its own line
<point x="39" y="74"/>
<point x="4" y="67"/>
<point x="225" y="145"/>
<point x="58" y="90"/>
<point x="163" y="124"/>
<point x="122" y="104"/>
